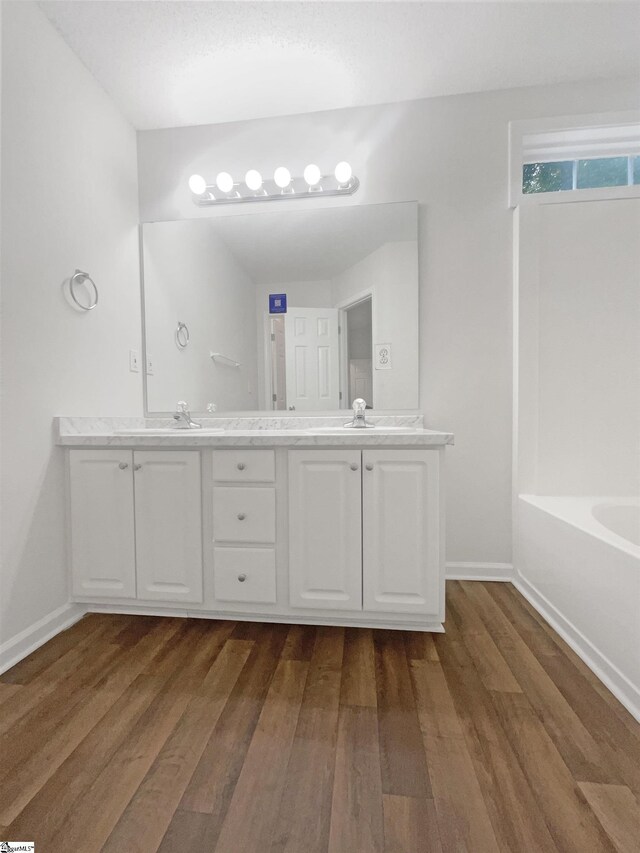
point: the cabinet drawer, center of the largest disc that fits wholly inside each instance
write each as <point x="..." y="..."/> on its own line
<point x="245" y="575"/>
<point x="244" y="466"/>
<point x="243" y="514"/>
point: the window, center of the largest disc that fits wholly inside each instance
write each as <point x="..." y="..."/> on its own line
<point x="574" y="158"/>
<point x="589" y="173"/>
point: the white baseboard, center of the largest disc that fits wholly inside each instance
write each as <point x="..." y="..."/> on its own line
<point x="624" y="690"/>
<point x="27" y="641"/>
<point x="292" y="619"/>
<point x="479" y="572"/>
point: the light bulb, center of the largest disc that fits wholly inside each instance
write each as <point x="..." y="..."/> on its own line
<point x="224" y="182"/>
<point x="312" y="175"/>
<point x="343" y="173"/>
<point x="282" y="177"/>
<point x="197" y="184"/>
<point x="253" y="179"/>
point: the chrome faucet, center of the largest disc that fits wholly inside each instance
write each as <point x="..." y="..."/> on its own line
<point x="359" y="418"/>
<point x="182" y="417"/>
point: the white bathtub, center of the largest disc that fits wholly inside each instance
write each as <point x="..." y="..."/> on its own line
<point x="578" y="562"/>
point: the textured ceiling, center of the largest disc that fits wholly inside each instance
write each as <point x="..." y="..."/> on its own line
<point x="171" y="64"/>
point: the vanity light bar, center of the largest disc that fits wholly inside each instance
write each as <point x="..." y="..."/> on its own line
<point x="281" y="187"/>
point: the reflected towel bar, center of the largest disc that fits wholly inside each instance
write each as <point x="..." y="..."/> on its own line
<point x="231" y="362"/>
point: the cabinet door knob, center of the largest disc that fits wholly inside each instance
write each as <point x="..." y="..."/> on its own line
<point x="354" y="466"/>
<point x="241" y="466"/>
<point x="369" y="466"/>
<point x="241" y="516"/>
<point x="123" y="465"/>
<point x="242" y="578"/>
<point x="137" y="466"/>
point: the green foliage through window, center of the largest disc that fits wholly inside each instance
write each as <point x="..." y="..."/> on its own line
<point x="565" y="175"/>
<point x="547" y="177"/>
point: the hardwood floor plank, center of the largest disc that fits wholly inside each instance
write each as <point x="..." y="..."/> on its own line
<point x="402" y="759"/>
<point x="359" y="669"/>
<point x="610" y="725"/>
<point x="212" y="784"/>
<point x="89" y="825"/>
<point x="92" y="820"/>
<point x="145" y="820"/>
<point x="580" y="752"/>
<point x="460" y="807"/>
<point x="357" y="821"/>
<point x="420" y="645"/>
<point x="34" y="664"/>
<point x="48" y="809"/>
<point x="570" y="820"/>
<point x="410" y="825"/>
<point x="250" y="820"/>
<point x="487" y="658"/>
<point x="513" y="810"/>
<point x="9" y="690"/>
<point x="618" y="811"/>
<point x="150" y="733"/>
<point x="300" y="642"/>
<point x="304" y="815"/>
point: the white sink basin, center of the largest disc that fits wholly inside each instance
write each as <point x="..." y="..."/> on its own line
<point x="359" y="431"/>
<point x="169" y="431"/>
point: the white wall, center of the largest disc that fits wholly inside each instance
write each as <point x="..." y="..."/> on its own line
<point x="580" y="277"/>
<point x="391" y="275"/>
<point x="451" y="155"/>
<point x="68" y="200"/>
<point x="191" y="276"/>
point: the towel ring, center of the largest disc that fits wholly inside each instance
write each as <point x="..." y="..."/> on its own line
<point x="80" y="277"/>
<point x="182" y="336"/>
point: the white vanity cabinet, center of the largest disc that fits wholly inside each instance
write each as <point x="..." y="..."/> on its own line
<point x="295" y="528"/>
<point x="325" y="529"/>
<point x="136" y="529"/>
<point x="365" y="531"/>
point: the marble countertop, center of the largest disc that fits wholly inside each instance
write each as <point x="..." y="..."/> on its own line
<point x="390" y="430"/>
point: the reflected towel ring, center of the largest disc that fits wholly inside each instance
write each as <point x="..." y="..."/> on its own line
<point x="182" y="336"/>
<point x="80" y="277"/>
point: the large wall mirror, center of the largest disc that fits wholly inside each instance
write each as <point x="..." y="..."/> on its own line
<point x="216" y="331"/>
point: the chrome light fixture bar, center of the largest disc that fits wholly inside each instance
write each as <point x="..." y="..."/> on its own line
<point x="279" y="188"/>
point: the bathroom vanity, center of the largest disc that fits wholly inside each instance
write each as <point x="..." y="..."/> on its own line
<point x="311" y="523"/>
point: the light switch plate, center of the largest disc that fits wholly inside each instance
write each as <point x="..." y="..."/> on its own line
<point x="382" y="356"/>
<point x="134" y="361"/>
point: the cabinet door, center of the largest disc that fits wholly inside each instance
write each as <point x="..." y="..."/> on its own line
<point x="325" y="539"/>
<point x="102" y="531"/>
<point x="168" y="525"/>
<point x="401" y="531"/>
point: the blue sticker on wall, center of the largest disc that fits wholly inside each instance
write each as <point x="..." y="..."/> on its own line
<point x="277" y="303"/>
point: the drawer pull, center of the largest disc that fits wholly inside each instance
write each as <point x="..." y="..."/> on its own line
<point x="353" y="466"/>
<point x="241" y="466"/>
<point x="241" y="516"/>
<point x="242" y="578"/>
<point x="123" y="465"/>
<point x="369" y="467"/>
<point x="137" y="466"/>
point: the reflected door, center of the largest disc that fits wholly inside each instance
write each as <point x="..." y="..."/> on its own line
<point x="312" y="355"/>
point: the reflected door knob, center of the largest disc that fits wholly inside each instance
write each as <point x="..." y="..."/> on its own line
<point x="354" y="467"/>
<point x="241" y="516"/>
<point x="137" y="466"/>
<point x="369" y="467"/>
<point x="242" y="578"/>
<point x="123" y="465"/>
<point x="241" y="466"/>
